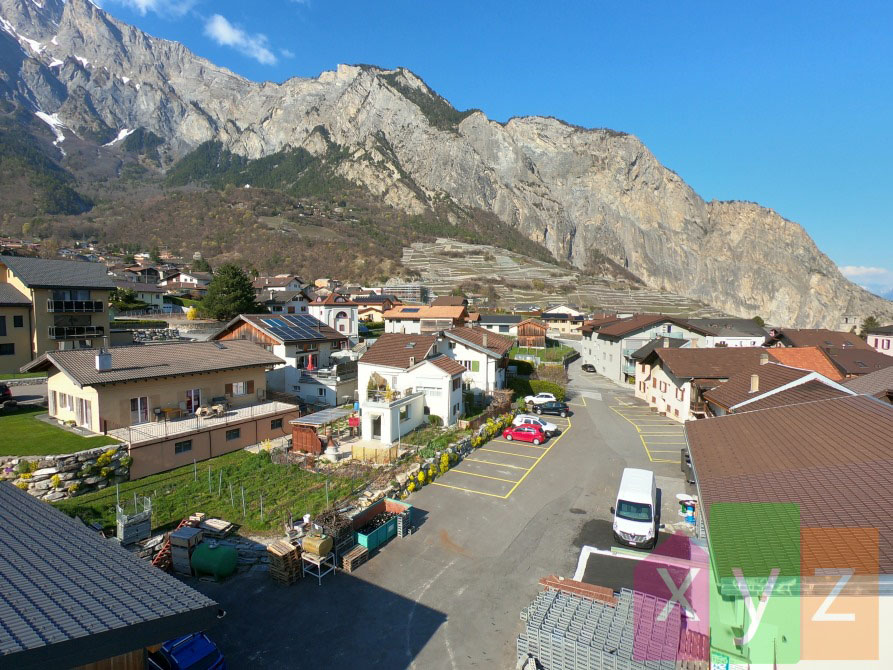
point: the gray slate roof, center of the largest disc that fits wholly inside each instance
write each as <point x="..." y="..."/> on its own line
<point x="501" y="318"/>
<point x="155" y="360"/>
<point x="10" y="296"/>
<point x="658" y="342"/>
<point x="879" y="381"/>
<point x="69" y="597"/>
<point x="728" y="327"/>
<point x="43" y="273"/>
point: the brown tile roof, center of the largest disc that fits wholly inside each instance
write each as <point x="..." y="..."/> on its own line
<point x="447" y="364"/>
<point x="718" y="363"/>
<point x="833" y="458"/>
<point x="770" y="376"/>
<point x="449" y="301"/>
<point x="874" y="383"/>
<point x="155" y="360"/>
<point x="498" y="344"/>
<point x="395" y="349"/>
<point x="278" y="280"/>
<point x="334" y="299"/>
<point x="631" y="324"/>
<point x="807" y="358"/>
<point x="859" y="361"/>
<point x="808" y="392"/>
<point x="821" y="337"/>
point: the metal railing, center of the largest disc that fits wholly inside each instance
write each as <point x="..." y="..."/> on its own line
<point x="89" y="306"/>
<point x="389" y="396"/>
<point x="71" y="332"/>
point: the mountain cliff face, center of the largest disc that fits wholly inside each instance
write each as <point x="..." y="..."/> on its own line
<point x="576" y="191"/>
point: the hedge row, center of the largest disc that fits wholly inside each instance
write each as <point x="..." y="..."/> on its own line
<point x="524" y="367"/>
<point x="525" y="387"/>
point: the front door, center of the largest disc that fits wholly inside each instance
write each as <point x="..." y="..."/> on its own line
<point x="193" y="400"/>
<point x="376" y="428"/>
<point x="139" y="410"/>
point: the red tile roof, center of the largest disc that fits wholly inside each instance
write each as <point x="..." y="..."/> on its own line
<point x="498" y="344"/>
<point x="807" y="392"/>
<point x="769" y="377"/>
<point x="395" y="349"/>
<point x="448" y="365"/>
<point x="833" y="458"/>
<point x="807" y="358"/>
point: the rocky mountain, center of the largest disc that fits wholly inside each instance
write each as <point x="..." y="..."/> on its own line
<point x="579" y="192"/>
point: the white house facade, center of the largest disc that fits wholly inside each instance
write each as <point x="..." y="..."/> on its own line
<point x="339" y="313"/>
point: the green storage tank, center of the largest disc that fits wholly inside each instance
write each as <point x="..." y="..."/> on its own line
<point x="217" y="559"/>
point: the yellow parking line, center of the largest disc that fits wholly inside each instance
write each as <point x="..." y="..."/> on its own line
<point x="508" y="453"/>
<point x="542" y="455"/>
<point x="518" y="443"/>
<point x="664" y="451"/>
<point x="474" y="474"/>
<point x="502" y="465"/>
<point x="460" y="488"/>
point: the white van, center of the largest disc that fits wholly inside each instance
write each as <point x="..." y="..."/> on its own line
<point x="635" y="515"/>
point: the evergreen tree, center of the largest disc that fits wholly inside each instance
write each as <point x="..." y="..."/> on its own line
<point x="870" y="323"/>
<point x="200" y="265"/>
<point x="230" y="293"/>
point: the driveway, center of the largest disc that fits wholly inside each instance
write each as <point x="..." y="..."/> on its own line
<point x="449" y="595"/>
<point x="30" y="394"/>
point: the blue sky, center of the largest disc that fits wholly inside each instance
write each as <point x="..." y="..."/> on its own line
<point x="786" y="104"/>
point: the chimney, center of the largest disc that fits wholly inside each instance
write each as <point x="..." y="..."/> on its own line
<point x="411" y="361"/>
<point x="103" y="360"/>
<point x="754" y="383"/>
<point x="764" y="358"/>
<point x="485" y="338"/>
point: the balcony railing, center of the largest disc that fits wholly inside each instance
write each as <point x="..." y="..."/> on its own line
<point x="75" y="332"/>
<point x="388" y="397"/>
<point x="629" y="369"/>
<point x="698" y="407"/>
<point x="88" y="306"/>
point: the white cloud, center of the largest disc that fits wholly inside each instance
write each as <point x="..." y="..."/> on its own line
<point x="286" y="53"/>
<point x="255" y="46"/>
<point x="875" y="279"/>
<point x="853" y="271"/>
<point x="175" y="8"/>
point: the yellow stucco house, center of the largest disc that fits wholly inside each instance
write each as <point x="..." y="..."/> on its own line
<point x="155" y="397"/>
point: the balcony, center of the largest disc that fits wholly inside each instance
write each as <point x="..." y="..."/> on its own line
<point x="75" y="306"/>
<point x="75" y="332"/>
<point x="629" y="369"/>
<point x="390" y="398"/>
<point x="698" y="407"/>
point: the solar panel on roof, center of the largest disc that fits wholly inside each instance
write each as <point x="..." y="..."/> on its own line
<point x="410" y="309"/>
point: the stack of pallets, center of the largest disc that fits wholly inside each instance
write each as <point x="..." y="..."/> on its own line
<point x="404" y="523"/>
<point x="354" y="558"/>
<point x="216" y="528"/>
<point x="285" y="562"/>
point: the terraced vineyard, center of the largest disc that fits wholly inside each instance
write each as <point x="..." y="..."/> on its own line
<point x="520" y="281"/>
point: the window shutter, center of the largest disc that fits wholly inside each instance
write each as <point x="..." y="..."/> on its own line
<point x="228" y="389"/>
<point x="249" y="386"/>
<point x="475" y="366"/>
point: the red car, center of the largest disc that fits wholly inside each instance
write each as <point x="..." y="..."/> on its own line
<point x="526" y="432"/>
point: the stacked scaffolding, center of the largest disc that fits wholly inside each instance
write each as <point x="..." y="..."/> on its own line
<point x="568" y="632"/>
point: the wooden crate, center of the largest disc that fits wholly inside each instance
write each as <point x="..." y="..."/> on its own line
<point x="285" y="562"/>
<point x="354" y="558"/>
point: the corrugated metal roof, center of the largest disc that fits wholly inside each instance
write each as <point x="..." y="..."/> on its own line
<point x="43" y="273"/>
<point x="61" y="584"/>
<point x="873" y="383"/>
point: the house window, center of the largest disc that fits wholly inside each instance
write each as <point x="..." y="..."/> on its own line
<point x="239" y="388"/>
<point x="193" y="400"/>
<point x="455" y="409"/>
<point x="2" y="326"/>
<point x="275" y="424"/>
<point x="885" y="344"/>
<point x="503" y="329"/>
<point x="680" y="394"/>
<point x="233" y="434"/>
<point x="676" y="411"/>
<point x="18" y="321"/>
<point x="663" y="387"/>
<point x="404" y="413"/>
<point x="457" y="382"/>
<point x="320" y="391"/>
<point x="182" y="447"/>
<point x="7" y="349"/>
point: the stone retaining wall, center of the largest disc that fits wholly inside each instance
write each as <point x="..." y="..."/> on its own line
<point x="28" y="381"/>
<point x="67" y="475"/>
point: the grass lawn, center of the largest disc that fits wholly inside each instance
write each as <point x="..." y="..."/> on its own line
<point x="23" y="375"/>
<point x="178" y="493"/>
<point x="553" y="353"/>
<point x="21" y="434"/>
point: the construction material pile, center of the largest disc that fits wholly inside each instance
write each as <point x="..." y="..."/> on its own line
<point x="285" y="562"/>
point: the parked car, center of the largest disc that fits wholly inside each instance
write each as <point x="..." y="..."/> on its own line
<point x="538" y="398"/>
<point x="526" y="432"/>
<point x="556" y="407"/>
<point x="5" y="393"/>
<point x="635" y="512"/>
<point x="547" y="427"/>
<point x="190" y="652"/>
<point x="588" y="367"/>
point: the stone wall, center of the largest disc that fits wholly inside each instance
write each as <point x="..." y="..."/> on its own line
<point x="67" y="475"/>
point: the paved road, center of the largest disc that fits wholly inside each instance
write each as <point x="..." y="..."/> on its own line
<point x="450" y="595"/>
<point x="30" y="394"/>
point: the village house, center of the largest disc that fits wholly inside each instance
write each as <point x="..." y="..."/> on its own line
<point x="610" y="347"/>
<point x="151" y="294"/>
<point x="46" y="305"/>
<point x="504" y="324"/>
<point x="371" y="307"/>
<point x="74" y="599"/>
<point x="143" y="274"/>
<point x="532" y="334"/>
<point x="419" y="319"/>
<point x="283" y="282"/>
<point x="403" y="379"/>
<point x="184" y="279"/>
<point x="562" y="324"/>
<point x="450" y="301"/>
<point x="881" y="339"/>
<point x="814" y="337"/>
<point x="284" y="302"/>
<point x="878" y="384"/>
<point x="317" y="365"/>
<point x="678" y="382"/>
<point x="155" y="397"/>
<point x="798" y="474"/>
<point x="339" y="313"/>
<point x="484" y="356"/>
<point x="729" y="332"/>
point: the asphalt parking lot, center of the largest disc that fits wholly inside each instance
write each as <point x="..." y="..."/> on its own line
<point x="449" y="595"/>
